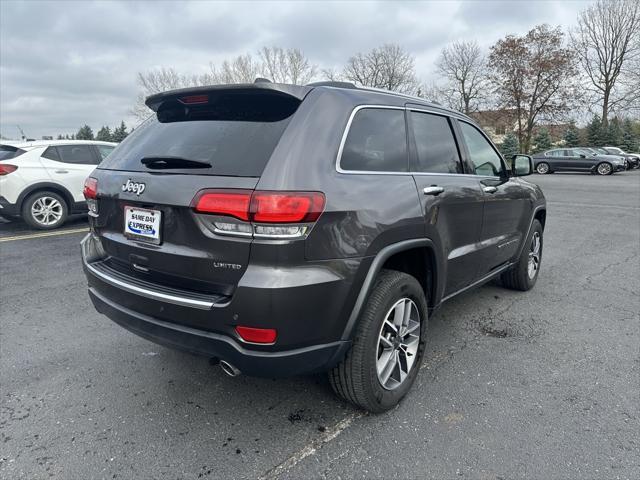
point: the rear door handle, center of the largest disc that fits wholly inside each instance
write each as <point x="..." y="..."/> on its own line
<point x="62" y="171"/>
<point x="433" y="190"/>
<point x="489" y="189"/>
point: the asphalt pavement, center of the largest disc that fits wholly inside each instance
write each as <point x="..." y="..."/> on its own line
<point x="543" y="384"/>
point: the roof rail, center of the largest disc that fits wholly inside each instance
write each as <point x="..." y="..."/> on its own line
<point x="330" y="83"/>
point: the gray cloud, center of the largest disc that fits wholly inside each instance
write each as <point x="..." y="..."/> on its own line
<point x="63" y="64"/>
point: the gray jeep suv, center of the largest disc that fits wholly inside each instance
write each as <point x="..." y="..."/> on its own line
<point x="286" y="229"/>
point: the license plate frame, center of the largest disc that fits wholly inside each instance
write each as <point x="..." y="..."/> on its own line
<point x="145" y="226"/>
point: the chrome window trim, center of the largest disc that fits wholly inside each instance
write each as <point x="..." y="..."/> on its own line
<point x="345" y="133"/>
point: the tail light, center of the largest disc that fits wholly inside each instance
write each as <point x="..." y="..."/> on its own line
<point x="90" y="192"/>
<point x="257" y="335"/>
<point x="271" y="214"/>
<point x="6" y="169"/>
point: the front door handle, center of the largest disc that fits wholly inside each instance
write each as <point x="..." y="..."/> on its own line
<point x="489" y="189"/>
<point x="62" y="171"/>
<point x="433" y="190"/>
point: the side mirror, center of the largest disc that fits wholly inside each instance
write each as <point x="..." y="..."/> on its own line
<point x="521" y="165"/>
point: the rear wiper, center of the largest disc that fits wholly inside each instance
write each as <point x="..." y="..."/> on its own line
<point x="173" y="162"/>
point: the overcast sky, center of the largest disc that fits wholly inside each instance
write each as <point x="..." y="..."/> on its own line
<point x="64" y="64"/>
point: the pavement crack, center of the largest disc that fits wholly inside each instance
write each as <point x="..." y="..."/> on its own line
<point x="310" y="449"/>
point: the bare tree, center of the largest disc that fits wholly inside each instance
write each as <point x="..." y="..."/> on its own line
<point x="286" y="66"/>
<point x="388" y="67"/>
<point x="533" y="75"/>
<point x="242" y="69"/>
<point x="463" y="66"/>
<point x="607" y="41"/>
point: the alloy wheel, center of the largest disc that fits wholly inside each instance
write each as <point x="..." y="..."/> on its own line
<point x="398" y="343"/>
<point x="534" y="255"/>
<point x="542" y="168"/>
<point x="46" y="211"/>
<point x="604" y="169"/>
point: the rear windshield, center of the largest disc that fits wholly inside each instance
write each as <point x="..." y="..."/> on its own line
<point x="8" y="151"/>
<point x="235" y="136"/>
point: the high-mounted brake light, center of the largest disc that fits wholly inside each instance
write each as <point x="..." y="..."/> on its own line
<point x="195" y="99"/>
<point x="90" y="190"/>
<point x="257" y="335"/>
<point x="6" y="169"/>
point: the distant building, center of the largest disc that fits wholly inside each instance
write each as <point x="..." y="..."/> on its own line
<point x="497" y="123"/>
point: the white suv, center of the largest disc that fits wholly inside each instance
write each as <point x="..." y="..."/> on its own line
<point x="42" y="181"/>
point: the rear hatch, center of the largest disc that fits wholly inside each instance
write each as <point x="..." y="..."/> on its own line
<point x="216" y="138"/>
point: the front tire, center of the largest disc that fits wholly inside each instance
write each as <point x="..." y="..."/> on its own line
<point x="524" y="274"/>
<point x="45" y="210"/>
<point x="543" y="168"/>
<point x="388" y="345"/>
<point x="604" y="168"/>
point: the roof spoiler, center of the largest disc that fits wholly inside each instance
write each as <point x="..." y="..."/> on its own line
<point x="193" y="94"/>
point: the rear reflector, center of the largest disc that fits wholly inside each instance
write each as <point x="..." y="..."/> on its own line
<point x="90" y="191"/>
<point x="261" y="206"/>
<point x="6" y="169"/>
<point x="257" y="335"/>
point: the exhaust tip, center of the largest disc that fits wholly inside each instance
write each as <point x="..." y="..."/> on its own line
<point x="229" y="369"/>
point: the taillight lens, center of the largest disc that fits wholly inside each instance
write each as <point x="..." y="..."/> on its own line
<point x="286" y="207"/>
<point x="90" y="190"/>
<point x="6" y="169"/>
<point x="257" y="335"/>
<point x="228" y="203"/>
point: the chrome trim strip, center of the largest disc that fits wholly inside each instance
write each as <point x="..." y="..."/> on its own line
<point x="482" y="280"/>
<point x="339" y="169"/>
<point x="144" y="292"/>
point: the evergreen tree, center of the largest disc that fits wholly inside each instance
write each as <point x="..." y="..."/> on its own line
<point x="119" y="133"/>
<point x="571" y="136"/>
<point x="104" y="134"/>
<point x="60" y="136"/>
<point x="629" y="142"/>
<point x="85" y="133"/>
<point x="542" y="140"/>
<point x="594" y="132"/>
<point x="613" y="135"/>
<point x="510" y="146"/>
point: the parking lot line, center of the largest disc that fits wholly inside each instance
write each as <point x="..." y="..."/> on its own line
<point x="43" y="234"/>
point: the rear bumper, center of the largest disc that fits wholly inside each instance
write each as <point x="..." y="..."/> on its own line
<point x="309" y="317"/>
<point x="7" y="208"/>
<point x="260" y="364"/>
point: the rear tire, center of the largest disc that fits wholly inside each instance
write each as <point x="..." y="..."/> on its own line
<point x="543" y="168"/>
<point x="524" y="274"/>
<point x="359" y="378"/>
<point x="45" y="210"/>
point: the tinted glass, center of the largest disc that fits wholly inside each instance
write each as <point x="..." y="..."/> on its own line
<point x="235" y="133"/>
<point x="556" y="153"/>
<point x="377" y="141"/>
<point x="105" y="150"/>
<point x="76" y="154"/>
<point x="7" y="152"/>
<point x="484" y="158"/>
<point x="52" y="154"/>
<point x="435" y="144"/>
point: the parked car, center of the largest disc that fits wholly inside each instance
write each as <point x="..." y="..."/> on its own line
<point x="287" y="229"/>
<point x="577" y="160"/>
<point x="632" y="158"/>
<point x="42" y="181"/>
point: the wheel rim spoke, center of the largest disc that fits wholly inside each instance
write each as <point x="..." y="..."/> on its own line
<point x="398" y="343"/>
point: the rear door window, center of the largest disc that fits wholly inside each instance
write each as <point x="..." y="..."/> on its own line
<point x="376" y="142"/>
<point x="78" y="154"/>
<point x="436" y="147"/>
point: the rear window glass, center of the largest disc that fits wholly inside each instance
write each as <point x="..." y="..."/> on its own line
<point x="8" y="151"/>
<point x="234" y="135"/>
<point x="376" y="142"/>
